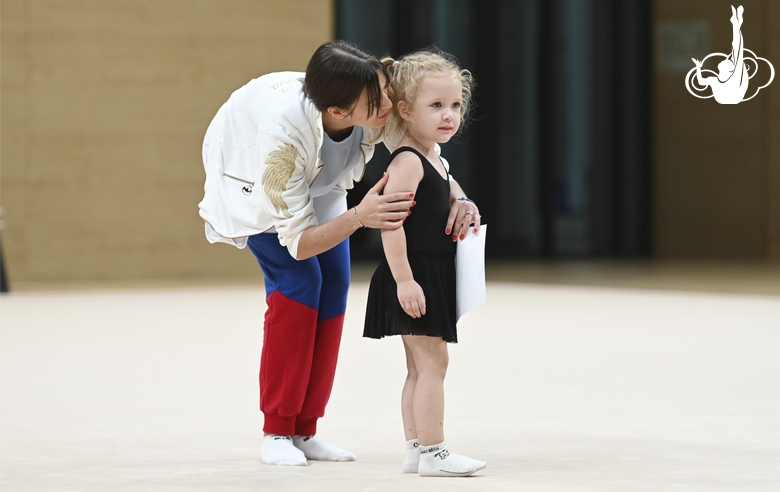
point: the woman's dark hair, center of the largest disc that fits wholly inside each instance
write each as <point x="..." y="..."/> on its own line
<point x="337" y="75"/>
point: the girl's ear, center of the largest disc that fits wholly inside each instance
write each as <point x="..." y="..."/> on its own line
<point x="404" y="110"/>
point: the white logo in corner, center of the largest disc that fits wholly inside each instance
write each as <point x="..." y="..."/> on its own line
<point x="735" y="70"/>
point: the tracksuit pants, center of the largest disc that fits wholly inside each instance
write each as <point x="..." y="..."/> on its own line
<point x="301" y="334"/>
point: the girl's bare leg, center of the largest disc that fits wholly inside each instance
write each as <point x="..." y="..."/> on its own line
<point x="430" y="359"/>
<point x="407" y="395"/>
<point x="412" y="460"/>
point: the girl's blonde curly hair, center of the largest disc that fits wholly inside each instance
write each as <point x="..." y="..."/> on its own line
<point x="406" y="75"/>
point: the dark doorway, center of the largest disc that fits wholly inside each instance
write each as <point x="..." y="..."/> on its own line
<point x="558" y="155"/>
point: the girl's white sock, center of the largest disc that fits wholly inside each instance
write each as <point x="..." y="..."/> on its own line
<point x="316" y="449"/>
<point x="437" y="461"/>
<point x="412" y="456"/>
<point x="279" y="450"/>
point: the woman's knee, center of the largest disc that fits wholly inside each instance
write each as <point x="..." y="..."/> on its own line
<point x="302" y="283"/>
<point x="299" y="280"/>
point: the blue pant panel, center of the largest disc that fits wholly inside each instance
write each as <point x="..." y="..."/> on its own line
<point x="320" y="282"/>
<point x="334" y="265"/>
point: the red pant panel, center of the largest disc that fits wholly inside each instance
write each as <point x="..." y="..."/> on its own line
<point x="297" y="367"/>
<point x="323" y="370"/>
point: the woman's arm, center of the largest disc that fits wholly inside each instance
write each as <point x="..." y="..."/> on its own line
<point x="463" y="213"/>
<point x="376" y="211"/>
<point x="405" y="172"/>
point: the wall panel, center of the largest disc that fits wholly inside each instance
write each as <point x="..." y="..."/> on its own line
<point x="714" y="188"/>
<point x="104" y="107"/>
<point x="772" y="136"/>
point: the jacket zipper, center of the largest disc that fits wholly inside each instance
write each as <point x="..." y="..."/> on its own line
<point x="239" y="179"/>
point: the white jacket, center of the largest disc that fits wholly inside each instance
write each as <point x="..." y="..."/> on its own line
<point x="261" y="154"/>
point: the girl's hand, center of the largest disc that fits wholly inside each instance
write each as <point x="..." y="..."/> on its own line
<point x="384" y="211"/>
<point x="412" y="299"/>
<point x="464" y="215"/>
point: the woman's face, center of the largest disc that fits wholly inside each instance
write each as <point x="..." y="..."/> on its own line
<point x="360" y="116"/>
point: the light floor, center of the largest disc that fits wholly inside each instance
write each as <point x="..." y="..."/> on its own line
<point x="558" y="387"/>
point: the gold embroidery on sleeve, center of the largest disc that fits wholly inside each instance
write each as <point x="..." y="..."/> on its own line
<point x="281" y="164"/>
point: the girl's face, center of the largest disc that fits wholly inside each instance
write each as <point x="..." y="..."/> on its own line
<point x="360" y="116"/>
<point x="436" y="113"/>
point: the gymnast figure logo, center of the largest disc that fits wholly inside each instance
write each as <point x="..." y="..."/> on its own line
<point x="730" y="84"/>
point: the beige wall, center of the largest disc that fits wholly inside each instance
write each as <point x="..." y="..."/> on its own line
<point x="717" y="167"/>
<point x="104" y="107"/>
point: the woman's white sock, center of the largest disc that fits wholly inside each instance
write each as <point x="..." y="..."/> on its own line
<point x="437" y="461"/>
<point x="279" y="450"/>
<point x="412" y="456"/>
<point x="316" y="449"/>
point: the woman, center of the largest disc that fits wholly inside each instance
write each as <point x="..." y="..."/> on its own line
<point x="279" y="157"/>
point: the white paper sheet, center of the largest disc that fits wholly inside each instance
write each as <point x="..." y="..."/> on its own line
<point x="470" y="272"/>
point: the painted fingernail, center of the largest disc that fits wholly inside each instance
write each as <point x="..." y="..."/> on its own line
<point x="462" y="237"/>
<point x="411" y="195"/>
<point x="447" y="231"/>
<point x="414" y="203"/>
<point x="408" y="212"/>
<point x="454" y="238"/>
<point x="476" y="231"/>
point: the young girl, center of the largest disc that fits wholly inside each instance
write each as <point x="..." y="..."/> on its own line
<point x="412" y="292"/>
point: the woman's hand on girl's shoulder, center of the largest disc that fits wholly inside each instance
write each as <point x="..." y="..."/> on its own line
<point x="405" y="173"/>
<point x="384" y="211"/>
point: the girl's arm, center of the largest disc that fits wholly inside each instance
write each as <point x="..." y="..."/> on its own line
<point x="405" y="173"/>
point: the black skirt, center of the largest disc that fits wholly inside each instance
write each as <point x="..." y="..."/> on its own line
<point x="435" y="272"/>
